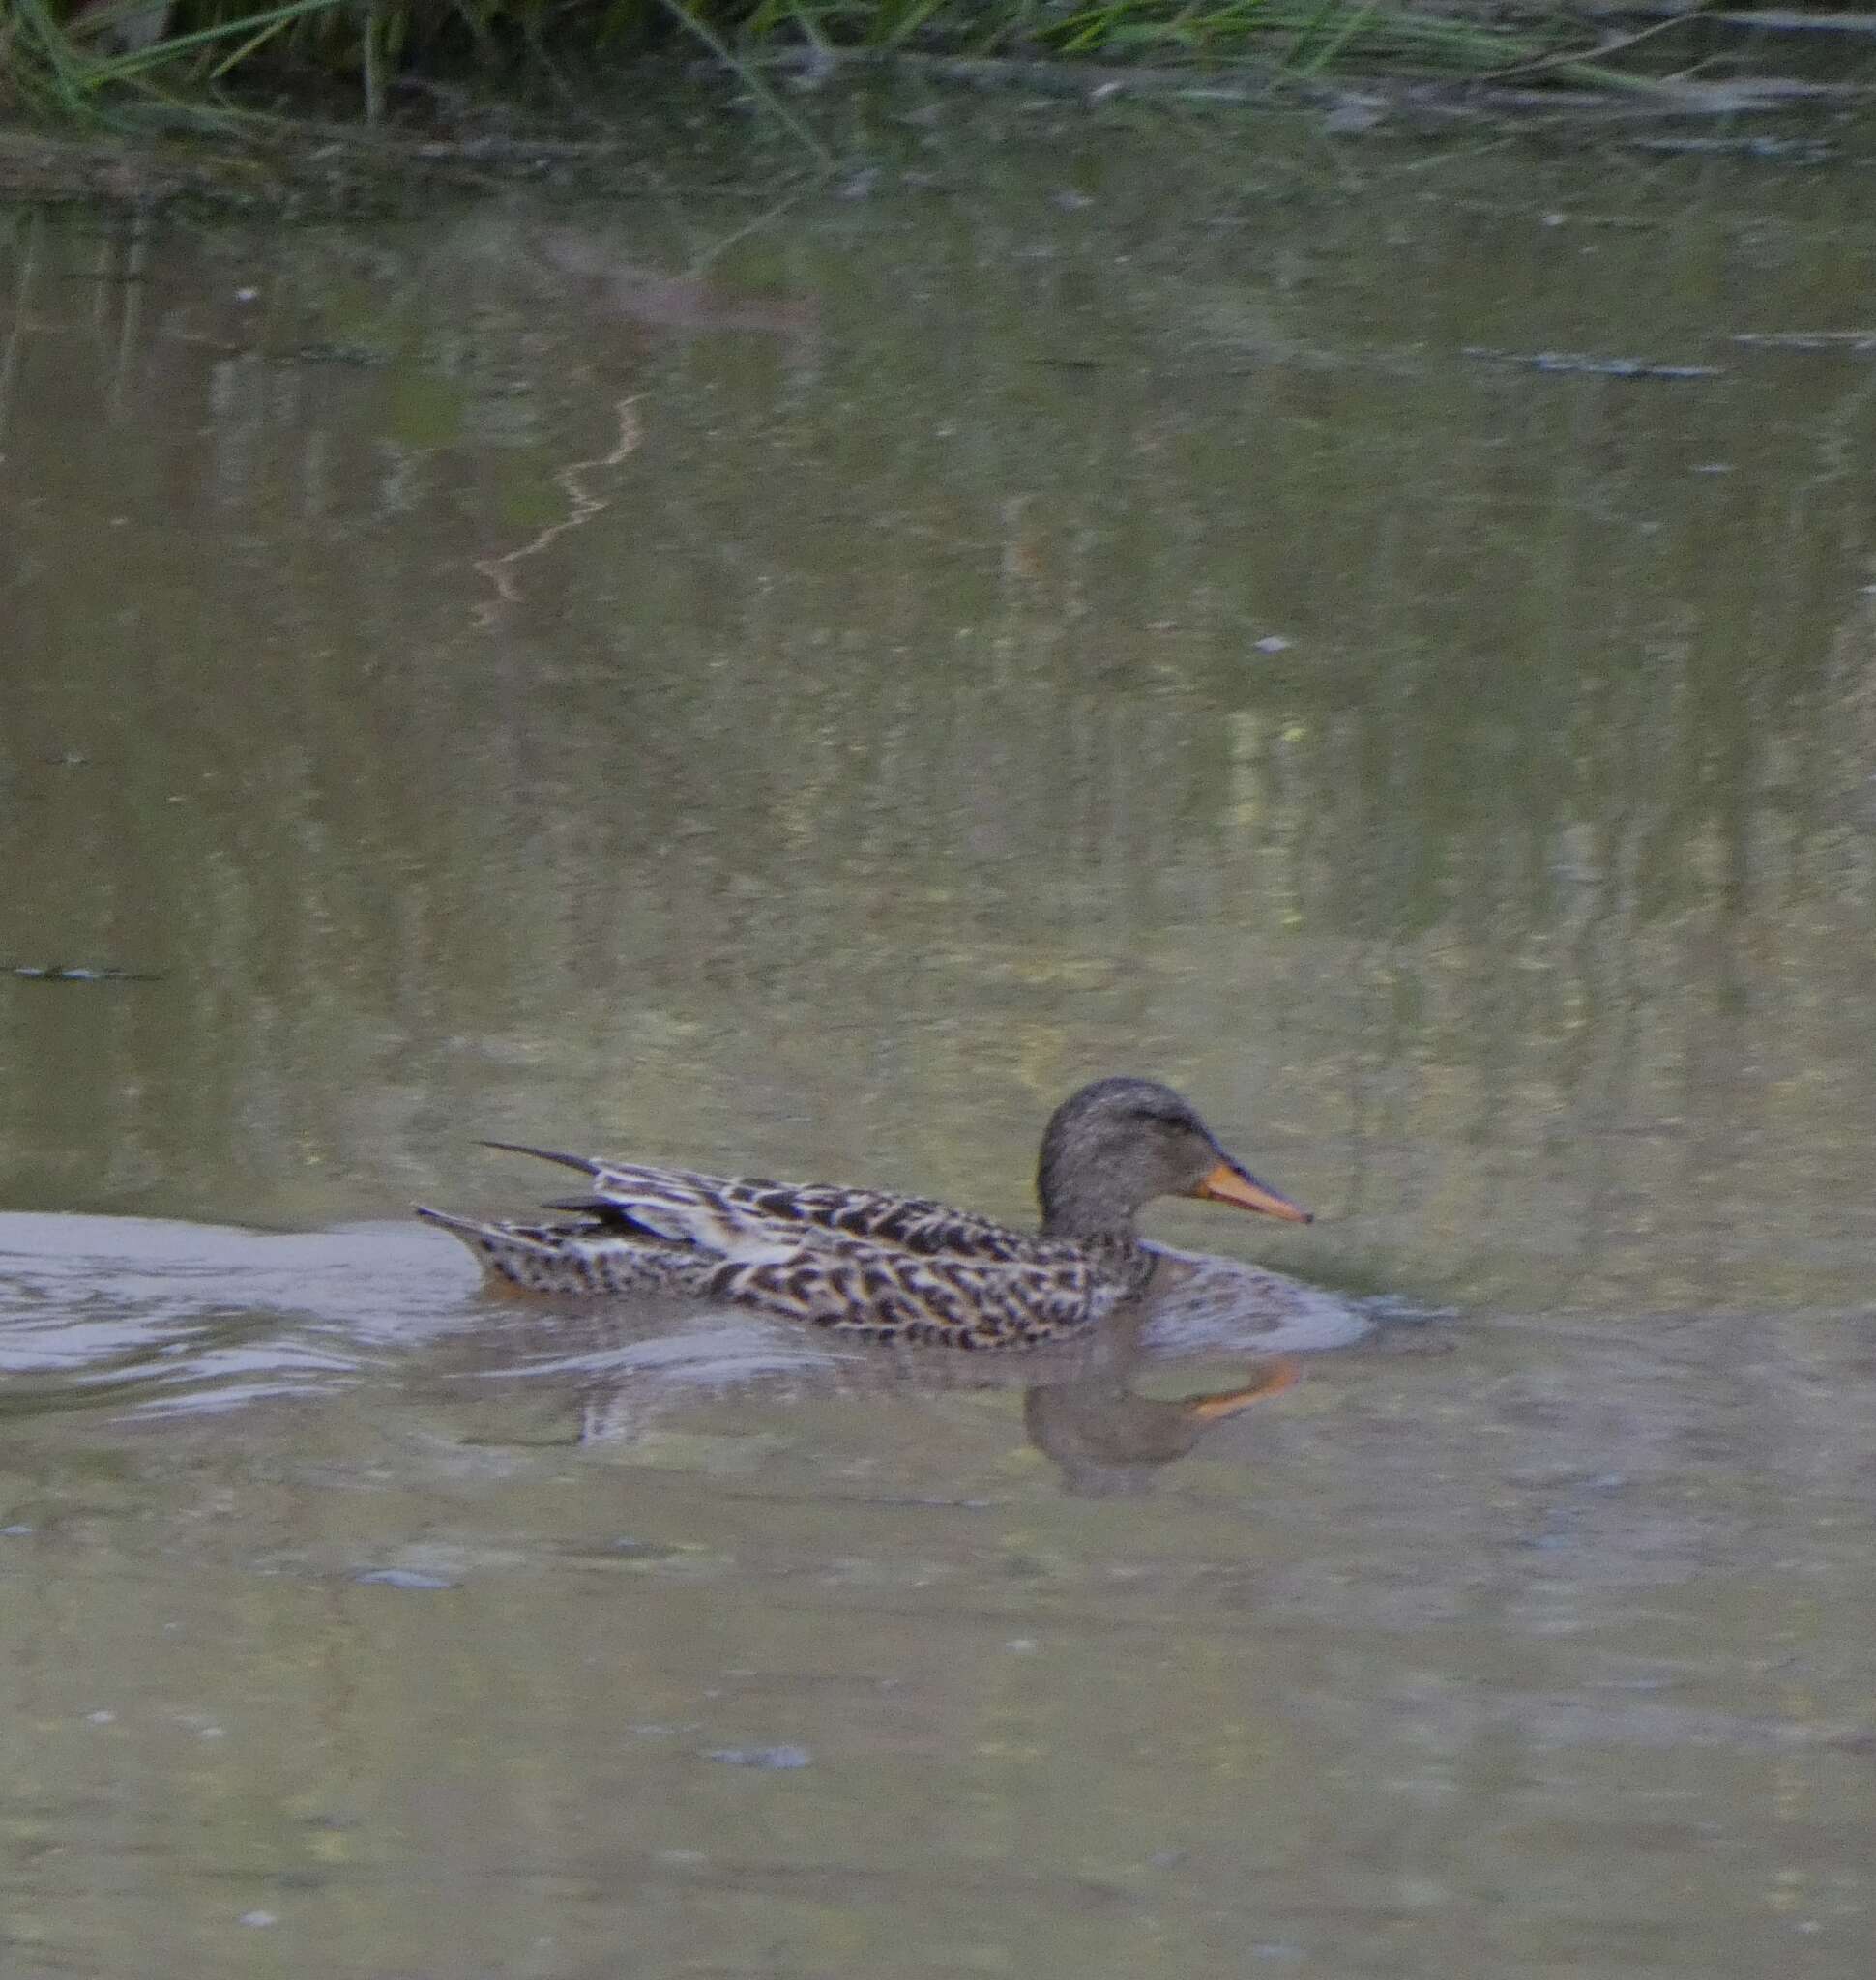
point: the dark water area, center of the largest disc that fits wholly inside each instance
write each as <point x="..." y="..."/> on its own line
<point x="789" y="678"/>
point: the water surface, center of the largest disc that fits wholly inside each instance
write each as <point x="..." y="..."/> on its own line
<point x="792" y="677"/>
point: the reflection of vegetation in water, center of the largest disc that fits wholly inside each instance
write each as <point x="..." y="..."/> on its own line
<point x="896" y="745"/>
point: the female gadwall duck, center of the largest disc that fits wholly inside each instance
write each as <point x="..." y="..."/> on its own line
<point x="884" y="1266"/>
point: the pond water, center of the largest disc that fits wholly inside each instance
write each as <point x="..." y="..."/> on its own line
<point x="789" y="676"/>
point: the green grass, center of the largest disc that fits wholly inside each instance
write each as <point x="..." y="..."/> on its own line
<point x="71" y="68"/>
<point x="74" y="62"/>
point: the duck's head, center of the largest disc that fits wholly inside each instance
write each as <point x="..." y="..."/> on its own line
<point x="1114" y="1145"/>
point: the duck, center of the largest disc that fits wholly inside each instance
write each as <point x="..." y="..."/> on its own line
<point x="873" y="1264"/>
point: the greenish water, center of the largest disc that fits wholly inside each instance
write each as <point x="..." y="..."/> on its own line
<point x="792" y="681"/>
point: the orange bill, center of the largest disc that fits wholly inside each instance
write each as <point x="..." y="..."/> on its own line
<point x="1273" y="1380"/>
<point x="1229" y="1183"/>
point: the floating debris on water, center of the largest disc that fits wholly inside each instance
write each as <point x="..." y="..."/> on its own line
<point x="774" y="1758"/>
<point x="1857" y="342"/>
<point x="401" y="1578"/>
<point x="1589" y="365"/>
<point x="77" y="973"/>
<point x="1790" y="151"/>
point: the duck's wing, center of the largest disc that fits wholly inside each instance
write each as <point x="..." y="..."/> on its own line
<point x="910" y="1224"/>
<point x="739" y="1218"/>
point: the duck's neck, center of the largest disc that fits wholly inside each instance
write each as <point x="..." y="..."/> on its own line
<point x="1081" y="1209"/>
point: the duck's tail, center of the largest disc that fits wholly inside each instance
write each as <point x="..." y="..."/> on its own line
<point x="585" y="1164"/>
<point x="481" y="1236"/>
<point x="514" y="1259"/>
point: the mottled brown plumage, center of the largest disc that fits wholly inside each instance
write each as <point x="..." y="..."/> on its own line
<point x="885" y="1266"/>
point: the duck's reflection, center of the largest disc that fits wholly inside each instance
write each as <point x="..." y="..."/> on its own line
<point x="611" y="1371"/>
<point x="1105" y="1439"/>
